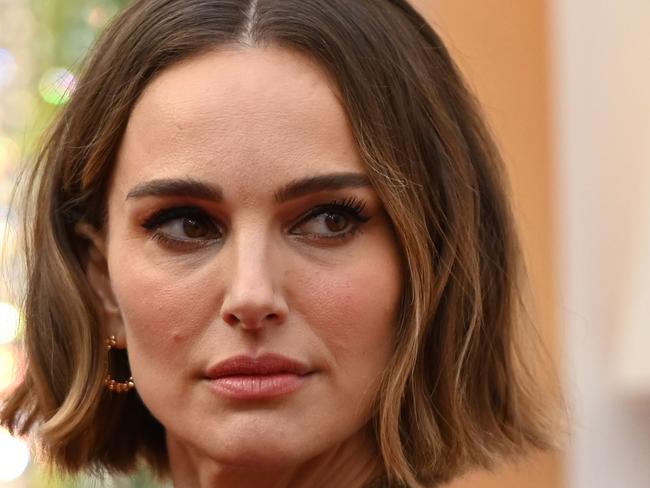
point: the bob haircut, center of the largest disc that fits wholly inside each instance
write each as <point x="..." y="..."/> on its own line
<point x="459" y="391"/>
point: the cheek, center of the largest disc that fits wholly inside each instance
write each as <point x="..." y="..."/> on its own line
<point x="161" y="308"/>
<point x="353" y="310"/>
<point x="349" y="306"/>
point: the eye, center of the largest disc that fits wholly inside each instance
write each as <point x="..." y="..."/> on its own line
<point x="183" y="225"/>
<point x="336" y="220"/>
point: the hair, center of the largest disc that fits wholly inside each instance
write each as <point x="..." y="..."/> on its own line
<point x="459" y="392"/>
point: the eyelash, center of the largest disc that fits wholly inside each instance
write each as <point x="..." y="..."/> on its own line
<point x="351" y="207"/>
<point x="165" y="215"/>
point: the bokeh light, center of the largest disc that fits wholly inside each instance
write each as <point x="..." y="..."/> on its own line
<point x="14" y="457"/>
<point x="98" y="16"/>
<point x="7" y="67"/>
<point x="9" y="321"/>
<point x="56" y="85"/>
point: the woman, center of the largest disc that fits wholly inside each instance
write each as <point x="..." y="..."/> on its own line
<point x="269" y="245"/>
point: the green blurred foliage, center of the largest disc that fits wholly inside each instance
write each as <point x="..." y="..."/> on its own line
<point x="70" y="26"/>
<point x="66" y="30"/>
<point x="43" y="477"/>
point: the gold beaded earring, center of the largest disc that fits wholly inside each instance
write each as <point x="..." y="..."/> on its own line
<point x="109" y="382"/>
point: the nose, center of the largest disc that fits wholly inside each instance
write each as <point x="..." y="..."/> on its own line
<point x="253" y="298"/>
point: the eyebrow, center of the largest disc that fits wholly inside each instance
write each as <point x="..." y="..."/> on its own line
<point x="314" y="184"/>
<point x="177" y="188"/>
<point x="188" y="187"/>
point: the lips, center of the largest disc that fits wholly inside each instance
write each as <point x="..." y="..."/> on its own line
<point x="255" y="378"/>
<point x="266" y="365"/>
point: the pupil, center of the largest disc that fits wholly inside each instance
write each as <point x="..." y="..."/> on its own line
<point x="336" y="222"/>
<point x="192" y="228"/>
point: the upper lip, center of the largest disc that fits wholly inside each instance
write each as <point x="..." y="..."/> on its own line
<point x="267" y="364"/>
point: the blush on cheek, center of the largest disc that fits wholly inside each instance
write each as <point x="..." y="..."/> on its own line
<point x="352" y="310"/>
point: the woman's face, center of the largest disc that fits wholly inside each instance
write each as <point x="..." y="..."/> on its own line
<point x="253" y="268"/>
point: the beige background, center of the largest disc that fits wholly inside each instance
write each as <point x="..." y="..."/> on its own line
<point x="502" y="48"/>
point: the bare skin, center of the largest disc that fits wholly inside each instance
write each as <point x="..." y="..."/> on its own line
<point x="343" y="466"/>
<point x="241" y="223"/>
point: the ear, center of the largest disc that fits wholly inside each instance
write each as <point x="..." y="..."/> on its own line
<point x="95" y="265"/>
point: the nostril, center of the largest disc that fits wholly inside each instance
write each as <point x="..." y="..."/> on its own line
<point x="251" y="321"/>
<point x="231" y="319"/>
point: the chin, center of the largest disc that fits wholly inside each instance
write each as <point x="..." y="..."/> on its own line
<point x="259" y="443"/>
<point x="263" y="454"/>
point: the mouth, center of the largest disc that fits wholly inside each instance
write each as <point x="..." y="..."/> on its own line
<point x="255" y="378"/>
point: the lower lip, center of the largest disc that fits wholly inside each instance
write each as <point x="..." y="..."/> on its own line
<point x="257" y="387"/>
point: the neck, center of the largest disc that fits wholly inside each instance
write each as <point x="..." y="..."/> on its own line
<point x="353" y="464"/>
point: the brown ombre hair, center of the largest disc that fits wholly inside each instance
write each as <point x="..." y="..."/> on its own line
<point x="459" y="392"/>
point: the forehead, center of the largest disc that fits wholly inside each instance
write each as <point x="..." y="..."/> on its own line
<point x="262" y="113"/>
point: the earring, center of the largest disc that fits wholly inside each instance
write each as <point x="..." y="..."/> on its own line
<point x="109" y="382"/>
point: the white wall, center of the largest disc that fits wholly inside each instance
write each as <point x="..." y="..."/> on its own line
<point x="601" y="64"/>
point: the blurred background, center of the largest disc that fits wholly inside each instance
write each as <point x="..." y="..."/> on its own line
<point x="565" y="85"/>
